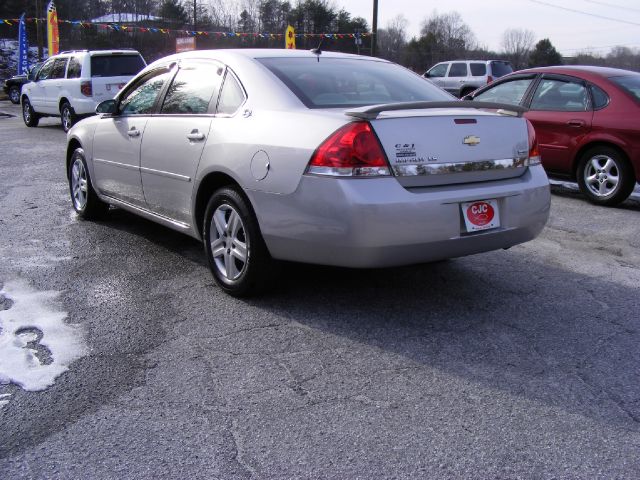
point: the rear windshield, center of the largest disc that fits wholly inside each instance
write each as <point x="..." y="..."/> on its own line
<point x="500" y="68"/>
<point x="116" y="65"/>
<point x="347" y="82"/>
<point x="630" y="84"/>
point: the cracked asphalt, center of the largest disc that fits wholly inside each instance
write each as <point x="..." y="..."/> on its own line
<point x="513" y="364"/>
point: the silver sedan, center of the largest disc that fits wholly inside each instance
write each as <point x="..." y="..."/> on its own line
<point x="308" y="156"/>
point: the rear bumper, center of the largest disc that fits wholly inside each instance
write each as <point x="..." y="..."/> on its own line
<point x="84" y="106"/>
<point x="367" y="223"/>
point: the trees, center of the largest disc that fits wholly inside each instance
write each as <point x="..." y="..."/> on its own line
<point x="442" y="37"/>
<point x="393" y="39"/>
<point x="544" y="54"/>
<point x="517" y="45"/>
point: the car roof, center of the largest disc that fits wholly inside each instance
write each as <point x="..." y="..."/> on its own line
<point x="255" y="53"/>
<point x="605" y="72"/>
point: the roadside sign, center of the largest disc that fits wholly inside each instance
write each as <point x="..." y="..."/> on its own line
<point x="184" y="44"/>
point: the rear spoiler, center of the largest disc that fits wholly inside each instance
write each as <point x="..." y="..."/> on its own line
<point x="371" y="113"/>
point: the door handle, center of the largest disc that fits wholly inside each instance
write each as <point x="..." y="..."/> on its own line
<point x="133" y="132"/>
<point x="576" y="123"/>
<point x="195" y="135"/>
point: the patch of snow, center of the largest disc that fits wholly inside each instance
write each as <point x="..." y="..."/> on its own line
<point x="4" y="399"/>
<point x="35" y="317"/>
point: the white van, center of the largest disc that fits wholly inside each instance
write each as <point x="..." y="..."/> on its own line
<point x="71" y="84"/>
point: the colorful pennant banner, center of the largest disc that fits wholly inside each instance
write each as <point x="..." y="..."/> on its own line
<point x="118" y="27"/>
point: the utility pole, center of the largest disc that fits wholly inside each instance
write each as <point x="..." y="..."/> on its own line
<point x="38" y="33"/>
<point x="195" y="10"/>
<point x="374" y="29"/>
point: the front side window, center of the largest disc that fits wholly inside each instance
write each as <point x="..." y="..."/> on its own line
<point x="45" y="71"/>
<point x="193" y="88"/>
<point x="142" y="98"/>
<point x="438" y="71"/>
<point x="458" y="70"/>
<point x="510" y="92"/>
<point x="74" y="69"/>
<point x="232" y="96"/>
<point x="560" y="96"/>
<point x="347" y="82"/>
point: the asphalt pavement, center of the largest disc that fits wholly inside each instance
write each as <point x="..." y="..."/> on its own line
<point x="522" y="363"/>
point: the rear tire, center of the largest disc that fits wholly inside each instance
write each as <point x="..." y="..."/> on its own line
<point x="14" y="94"/>
<point x="84" y="198"/>
<point x="30" y="117"/>
<point x="605" y="176"/>
<point x="68" y="117"/>
<point x="237" y="255"/>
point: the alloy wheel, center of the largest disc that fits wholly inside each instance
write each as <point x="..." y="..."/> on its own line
<point x="66" y="119"/>
<point x="14" y="95"/>
<point x="79" y="189"/>
<point x="229" y="243"/>
<point x="601" y="175"/>
<point x="26" y="111"/>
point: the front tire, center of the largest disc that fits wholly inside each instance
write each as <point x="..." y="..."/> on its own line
<point x="30" y="117"/>
<point x="605" y="176"/>
<point x="68" y="117"/>
<point x="84" y="198"/>
<point x="236" y="253"/>
<point x="14" y="94"/>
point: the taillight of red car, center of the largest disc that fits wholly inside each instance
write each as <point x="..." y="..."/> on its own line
<point x="86" y="88"/>
<point x="351" y="151"/>
<point x="534" y="153"/>
<point x="489" y="79"/>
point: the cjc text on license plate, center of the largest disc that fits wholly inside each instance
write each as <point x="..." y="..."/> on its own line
<point x="480" y="215"/>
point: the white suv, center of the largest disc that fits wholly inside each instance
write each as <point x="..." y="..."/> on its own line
<point x="71" y="84"/>
<point x="462" y="77"/>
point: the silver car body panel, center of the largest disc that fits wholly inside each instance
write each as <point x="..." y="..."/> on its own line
<point x="265" y="147"/>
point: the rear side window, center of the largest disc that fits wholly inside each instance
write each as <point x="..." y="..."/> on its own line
<point x="347" y="82"/>
<point x="600" y="97"/>
<point x="232" y="96"/>
<point x="74" y="69"/>
<point x="478" y="69"/>
<point x="458" y="70"/>
<point x="510" y="92"/>
<point x="630" y="84"/>
<point x="499" y="69"/>
<point x="59" y="67"/>
<point x="116" y="65"/>
<point x="193" y="88"/>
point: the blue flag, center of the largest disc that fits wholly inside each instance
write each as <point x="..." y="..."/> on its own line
<point x="23" y="49"/>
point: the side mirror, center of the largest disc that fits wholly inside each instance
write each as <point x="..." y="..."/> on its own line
<point x="107" y="107"/>
<point x="31" y="76"/>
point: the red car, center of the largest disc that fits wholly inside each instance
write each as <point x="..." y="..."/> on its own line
<point x="587" y="121"/>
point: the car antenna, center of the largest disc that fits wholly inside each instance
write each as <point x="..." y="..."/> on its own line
<point x="318" y="50"/>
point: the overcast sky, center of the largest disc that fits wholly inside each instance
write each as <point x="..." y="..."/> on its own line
<point x="569" y="32"/>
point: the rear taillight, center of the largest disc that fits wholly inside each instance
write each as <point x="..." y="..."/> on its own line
<point x="86" y="89"/>
<point x="489" y="79"/>
<point x="534" y="153"/>
<point x="351" y="151"/>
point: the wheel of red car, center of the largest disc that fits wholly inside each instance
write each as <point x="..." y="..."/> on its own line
<point x="14" y="94"/>
<point x="30" y="117"/>
<point x="236" y="253"/>
<point x="605" y="176"/>
<point x="67" y="116"/>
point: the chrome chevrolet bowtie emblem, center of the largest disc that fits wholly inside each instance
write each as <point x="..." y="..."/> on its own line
<point x="471" y="140"/>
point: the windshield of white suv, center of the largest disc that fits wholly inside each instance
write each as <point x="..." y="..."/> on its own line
<point x="348" y="82"/>
<point x="116" y="65"/>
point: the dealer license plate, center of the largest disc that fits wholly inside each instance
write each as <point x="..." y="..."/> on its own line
<point x="481" y="215"/>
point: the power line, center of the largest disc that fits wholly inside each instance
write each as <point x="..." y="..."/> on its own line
<point x="582" y="12"/>
<point x="607" y="4"/>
